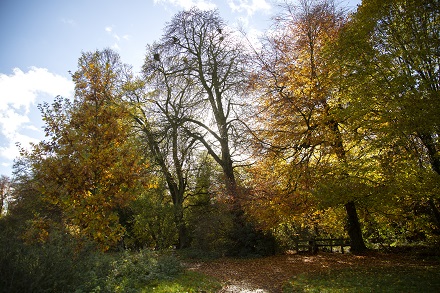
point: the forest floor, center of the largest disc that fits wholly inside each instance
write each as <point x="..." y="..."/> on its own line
<point x="269" y="274"/>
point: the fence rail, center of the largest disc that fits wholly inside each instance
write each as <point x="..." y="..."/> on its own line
<point x="312" y="245"/>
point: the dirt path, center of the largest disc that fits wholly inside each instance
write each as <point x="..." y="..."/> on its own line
<point x="265" y="275"/>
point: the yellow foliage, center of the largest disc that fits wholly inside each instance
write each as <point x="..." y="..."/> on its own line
<point x="90" y="168"/>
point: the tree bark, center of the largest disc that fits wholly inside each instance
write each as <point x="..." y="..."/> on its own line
<point x="354" y="228"/>
<point x="435" y="212"/>
<point x="432" y="148"/>
<point x="183" y="237"/>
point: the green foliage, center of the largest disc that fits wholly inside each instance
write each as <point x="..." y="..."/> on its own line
<point x="384" y="279"/>
<point x="409" y="224"/>
<point x="389" y="65"/>
<point x="152" y="224"/>
<point x="210" y="227"/>
<point x="247" y="240"/>
<point x="209" y="220"/>
<point x="136" y="270"/>
<point x="58" y="265"/>
<point x="63" y="264"/>
<point x="185" y="282"/>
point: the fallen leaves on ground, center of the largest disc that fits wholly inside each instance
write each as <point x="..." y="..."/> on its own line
<point x="262" y="275"/>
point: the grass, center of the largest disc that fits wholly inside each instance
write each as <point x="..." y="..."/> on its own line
<point x="371" y="279"/>
<point x="189" y="282"/>
<point x="150" y="271"/>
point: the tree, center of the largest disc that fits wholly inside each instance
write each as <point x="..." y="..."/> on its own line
<point x="5" y="185"/>
<point x="208" y="215"/>
<point x="297" y="116"/>
<point x="153" y="219"/>
<point x="90" y="167"/>
<point x="161" y="104"/>
<point x="198" y="72"/>
<point x="216" y="63"/>
<point x="389" y="56"/>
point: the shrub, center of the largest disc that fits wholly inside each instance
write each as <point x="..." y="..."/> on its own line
<point x="152" y="221"/>
<point x="136" y="270"/>
<point x="247" y="241"/>
<point x="58" y="265"/>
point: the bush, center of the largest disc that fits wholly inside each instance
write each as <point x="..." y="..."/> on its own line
<point x="210" y="227"/>
<point x="58" y="265"/>
<point x="151" y="224"/>
<point x="136" y="270"/>
<point x="247" y="241"/>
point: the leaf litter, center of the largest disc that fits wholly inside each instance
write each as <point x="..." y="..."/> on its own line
<point x="269" y="274"/>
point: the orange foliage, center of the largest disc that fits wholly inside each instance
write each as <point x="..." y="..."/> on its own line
<point x="90" y="168"/>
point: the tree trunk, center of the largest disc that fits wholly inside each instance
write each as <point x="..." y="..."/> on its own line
<point x="179" y="220"/>
<point x="183" y="241"/>
<point x="230" y="183"/>
<point x="435" y="212"/>
<point x="354" y="228"/>
<point x="182" y="231"/>
<point x="432" y="148"/>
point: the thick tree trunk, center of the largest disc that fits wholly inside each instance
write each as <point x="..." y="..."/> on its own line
<point x="432" y="148"/>
<point x="435" y="212"/>
<point x="179" y="220"/>
<point x="354" y="228"/>
<point x="230" y="183"/>
<point x="183" y="241"/>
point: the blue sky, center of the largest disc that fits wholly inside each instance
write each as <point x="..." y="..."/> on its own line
<point x="41" y="40"/>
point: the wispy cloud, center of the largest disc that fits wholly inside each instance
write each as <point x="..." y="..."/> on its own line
<point x="249" y="6"/>
<point x="68" y="21"/>
<point x="116" y="37"/>
<point x="19" y="92"/>
<point x="188" y="4"/>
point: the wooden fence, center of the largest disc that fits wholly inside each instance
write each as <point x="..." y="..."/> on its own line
<point x="313" y="245"/>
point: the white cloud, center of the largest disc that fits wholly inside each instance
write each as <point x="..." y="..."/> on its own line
<point x="20" y="89"/>
<point x="11" y="121"/>
<point x="249" y="6"/>
<point x="254" y="36"/>
<point x="68" y="21"/>
<point x="20" y="92"/>
<point x="188" y="4"/>
<point x="116" y="37"/>
<point x="116" y="47"/>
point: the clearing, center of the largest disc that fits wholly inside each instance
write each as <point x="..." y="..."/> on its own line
<point x="262" y="275"/>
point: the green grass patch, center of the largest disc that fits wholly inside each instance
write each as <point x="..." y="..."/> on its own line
<point x="186" y="282"/>
<point x="372" y="279"/>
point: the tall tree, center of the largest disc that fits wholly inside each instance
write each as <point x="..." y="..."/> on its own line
<point x="297" y="106"/>
<point x="89" y="167"/>
<point x="200" y="55"/>
<point x="162" y="102"/>
<point x="216" y="62"/>
<point x="390" y="58"/>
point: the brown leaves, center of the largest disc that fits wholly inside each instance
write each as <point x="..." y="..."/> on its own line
<point x="272" y="273"/>
<point x="90" y="168"/>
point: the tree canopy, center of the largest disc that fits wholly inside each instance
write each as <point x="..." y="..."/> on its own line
<point x="329" y="129"/>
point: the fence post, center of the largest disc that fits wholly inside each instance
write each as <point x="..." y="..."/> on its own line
<point x="313" y="248"/>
